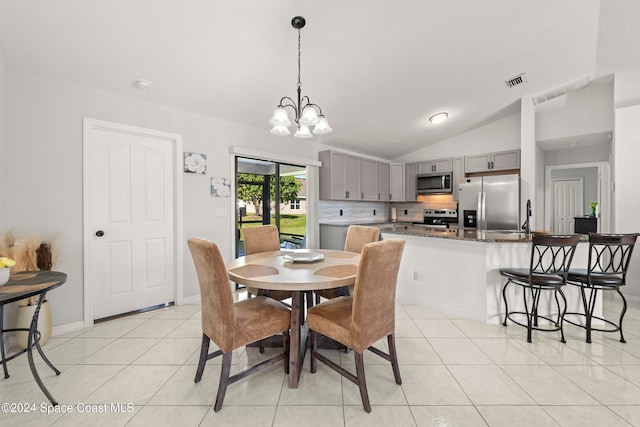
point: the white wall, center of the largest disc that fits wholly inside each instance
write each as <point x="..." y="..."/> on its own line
<point x="583" y="112"/>
<point x="626" y="152"/>
<point x="44" y="138"/>
<point x="595" y="153"/>
<point x="501" y="135"/>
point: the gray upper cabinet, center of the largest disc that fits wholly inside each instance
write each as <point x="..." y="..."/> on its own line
<point x="410" y="190"/>
<point x="369" y="169"/>
<point x="502" y="160"/>
<point x="347" y="177"/>
<point x="339" y="176"/>
<point x="439" y="165"/>
<point x="396" y="182"/>
<point x="383" y="181"/>
<point x="458" y="172"/>
<point x="354" y="176"/>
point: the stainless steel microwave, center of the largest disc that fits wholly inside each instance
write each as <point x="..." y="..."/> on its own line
<point x="434" y="183"/>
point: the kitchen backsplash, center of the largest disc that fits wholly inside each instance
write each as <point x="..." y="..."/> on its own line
<point x="329" y="210"/>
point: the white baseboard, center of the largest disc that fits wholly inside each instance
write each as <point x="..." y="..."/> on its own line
<point x="192" y="300"/>
<point x="69" y="327"/>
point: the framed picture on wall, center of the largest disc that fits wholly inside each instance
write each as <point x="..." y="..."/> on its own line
<point x="195" y="163"/>
<point x="220" y="187"/>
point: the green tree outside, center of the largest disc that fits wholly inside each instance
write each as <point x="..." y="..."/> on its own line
<point x="289" y="188"/>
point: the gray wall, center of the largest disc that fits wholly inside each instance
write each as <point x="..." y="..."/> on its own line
<point x="590" y="182"/>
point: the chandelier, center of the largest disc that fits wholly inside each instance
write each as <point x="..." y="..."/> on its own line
<point x="305" y="112"/>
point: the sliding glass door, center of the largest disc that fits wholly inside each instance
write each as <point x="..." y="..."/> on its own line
<point x="271" y="193"/>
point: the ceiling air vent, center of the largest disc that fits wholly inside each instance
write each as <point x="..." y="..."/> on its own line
<point x="517" y="80"/>
<point x="562" y="90"/>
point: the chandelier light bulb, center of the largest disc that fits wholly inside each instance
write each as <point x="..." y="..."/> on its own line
<point x="280" y="118"/>
<point x="280" y="131"/>
<point x="322" y="127"/>
<point x="303" y="132"/>
<point x="309" y="116"/>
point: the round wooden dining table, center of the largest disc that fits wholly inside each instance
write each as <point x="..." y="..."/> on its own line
<point x="24" y="285"/>
<point x="298" y="271"/>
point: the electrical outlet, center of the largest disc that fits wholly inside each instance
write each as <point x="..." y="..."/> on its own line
<point x="220" y="212"/>
<point x="415" y="275"/>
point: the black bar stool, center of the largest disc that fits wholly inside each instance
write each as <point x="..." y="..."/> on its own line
<point x="551" y="257"/>
<point x="609" y="256"/>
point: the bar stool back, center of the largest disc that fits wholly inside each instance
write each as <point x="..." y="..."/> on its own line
<point x="551" y="257"/>
<point x="609" y="256"/>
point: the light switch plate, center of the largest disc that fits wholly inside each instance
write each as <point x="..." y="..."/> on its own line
<point x="220" y="212"/>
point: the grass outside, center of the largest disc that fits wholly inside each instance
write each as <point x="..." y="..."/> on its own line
<point x="289" y="224"/>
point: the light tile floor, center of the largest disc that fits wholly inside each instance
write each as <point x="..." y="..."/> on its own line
<point x="139" y="370"/>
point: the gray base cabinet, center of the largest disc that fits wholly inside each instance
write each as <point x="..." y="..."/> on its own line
<point x="333" y="236"/>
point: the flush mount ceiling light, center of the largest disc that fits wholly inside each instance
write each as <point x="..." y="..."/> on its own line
<point x="306" y="113"/>
<point x="142" y="84"/>
<point x="438" y="118"/>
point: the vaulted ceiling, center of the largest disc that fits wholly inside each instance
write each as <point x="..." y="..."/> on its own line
<point x="377" y="68"/>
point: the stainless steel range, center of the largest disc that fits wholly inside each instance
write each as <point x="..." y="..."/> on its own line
<point x="439" y="219"/>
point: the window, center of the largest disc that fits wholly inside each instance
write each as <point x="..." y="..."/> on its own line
<point x="295" y="205"/>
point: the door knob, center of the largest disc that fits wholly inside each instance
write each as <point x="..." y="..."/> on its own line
<point x="99" y="233"/>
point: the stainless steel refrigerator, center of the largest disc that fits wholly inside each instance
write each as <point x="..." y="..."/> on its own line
<point x="489" y="202"/>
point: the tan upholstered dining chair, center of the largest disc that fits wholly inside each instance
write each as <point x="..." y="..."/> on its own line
<point x="263" y="238"/>
<point x="360" y="320"/>
<point x="233" y="325"/>
<point x="357" y="237"/>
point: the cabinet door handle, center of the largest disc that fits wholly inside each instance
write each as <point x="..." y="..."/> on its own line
<point x="362" y="195"/>
<point x="346" y="194"/>
<point x="378" y="196"/>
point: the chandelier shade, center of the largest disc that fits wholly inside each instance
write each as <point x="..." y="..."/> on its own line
<point x="303" y="132"/>
<point x="280" y="130"/>
<point x="305" y="113"/>
<point x="322" y="127"/>
<point x="309" y="116"/>
<point x="280" y="118"/>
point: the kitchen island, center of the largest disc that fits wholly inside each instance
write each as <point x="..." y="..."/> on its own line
<point x="457" y="271"/>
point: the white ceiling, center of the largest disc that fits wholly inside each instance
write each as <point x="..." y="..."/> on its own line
<point x="377" y="68"/>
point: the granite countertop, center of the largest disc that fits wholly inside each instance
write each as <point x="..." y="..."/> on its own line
<point x="347" y="223"/>
<point x="468" y="235"/>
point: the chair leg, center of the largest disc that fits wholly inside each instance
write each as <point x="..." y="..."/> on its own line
<point x="561" y="315"/>
<point x="624" y="310"/>
<point x="362" y="382"/>
<point x="287" y="349"/>
<point x="506" y="306"/>
<point x="593" y="297"/>
<point x="528" y="314"/>
<point x="224" y="380"/>
<point x="314" y="347"/>
<point x="204" y="351"/>
<point x="391" y="341"/>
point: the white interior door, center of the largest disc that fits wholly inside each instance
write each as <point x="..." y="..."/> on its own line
<point x="131" y="221"/>
<point x="568" y="202"/>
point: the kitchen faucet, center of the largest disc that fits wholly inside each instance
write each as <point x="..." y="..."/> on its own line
<point x="527" y="223"/>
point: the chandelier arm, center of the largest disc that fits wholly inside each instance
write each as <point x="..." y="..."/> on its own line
<point x="292" y="105"/>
